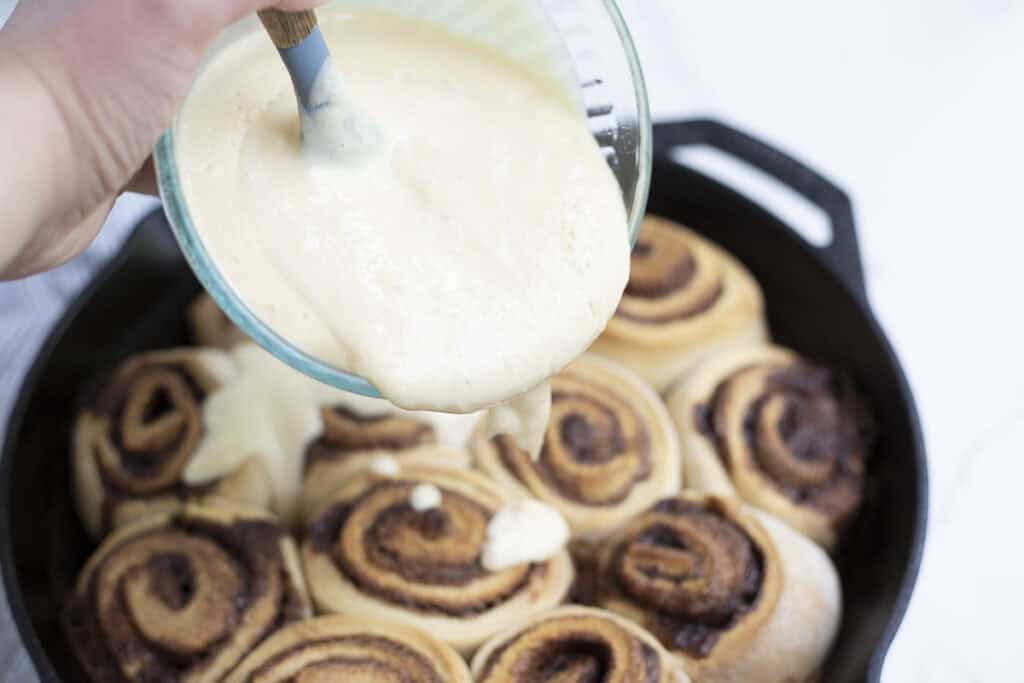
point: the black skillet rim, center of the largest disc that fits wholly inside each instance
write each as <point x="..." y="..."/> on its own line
<point x="15" y="422"/>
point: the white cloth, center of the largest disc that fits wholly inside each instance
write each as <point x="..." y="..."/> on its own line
<point x="6" y="7"/>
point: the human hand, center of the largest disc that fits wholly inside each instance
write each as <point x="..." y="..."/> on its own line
<point x="88" y="88"/>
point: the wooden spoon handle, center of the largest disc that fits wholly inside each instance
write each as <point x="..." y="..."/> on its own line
<point x="288" y="29"/>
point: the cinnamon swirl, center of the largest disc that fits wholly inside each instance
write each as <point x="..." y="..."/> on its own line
<point x="610" y="450"/>
<point x="372" y="551"/>
<point x="184" y="596"/>
<point x="137" y="432"/>
<point x="686" y="299"/>
<point x="571" y="644"/>
<point x="339" y="648"/>
<point x="788" y="436"/>
<point x="735" y="593"/>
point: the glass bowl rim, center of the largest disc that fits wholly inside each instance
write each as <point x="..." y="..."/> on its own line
<point x="213" y="282"/>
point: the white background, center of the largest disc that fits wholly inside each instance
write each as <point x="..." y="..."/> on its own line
<point x="914" y="107"/>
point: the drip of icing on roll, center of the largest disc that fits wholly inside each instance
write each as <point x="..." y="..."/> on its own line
<point x="384" y="466"/>
<point x="523" y="532"/>
<point x="269" y="410"/>
<point x="524" y="418"/>
<point x="425" y="497"/>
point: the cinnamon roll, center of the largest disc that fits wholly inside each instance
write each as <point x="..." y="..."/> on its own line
<point x="184" y="596"/>
<point x="576" y="644"/>
<point x="734" y="592"/>
<point x="609" y="452"/>
<point x="356" y="430"/>
<point x="686" y="299"/>
<point x="372" y="551"/>
<point x="788" y="436"/>
<point x="339" y="648"/>
<point x="211" y="326"/>
<point x="137" y="432"/>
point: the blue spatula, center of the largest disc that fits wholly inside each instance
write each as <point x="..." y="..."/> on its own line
<point x="330" y="124"/>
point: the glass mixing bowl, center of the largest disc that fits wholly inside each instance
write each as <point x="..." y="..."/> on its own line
<point x="583" y="46"/>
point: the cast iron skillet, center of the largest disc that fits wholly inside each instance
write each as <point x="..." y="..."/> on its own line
<point x="816" y="304"/>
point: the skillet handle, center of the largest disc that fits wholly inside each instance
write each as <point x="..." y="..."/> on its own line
<point x="842" y="255"/>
